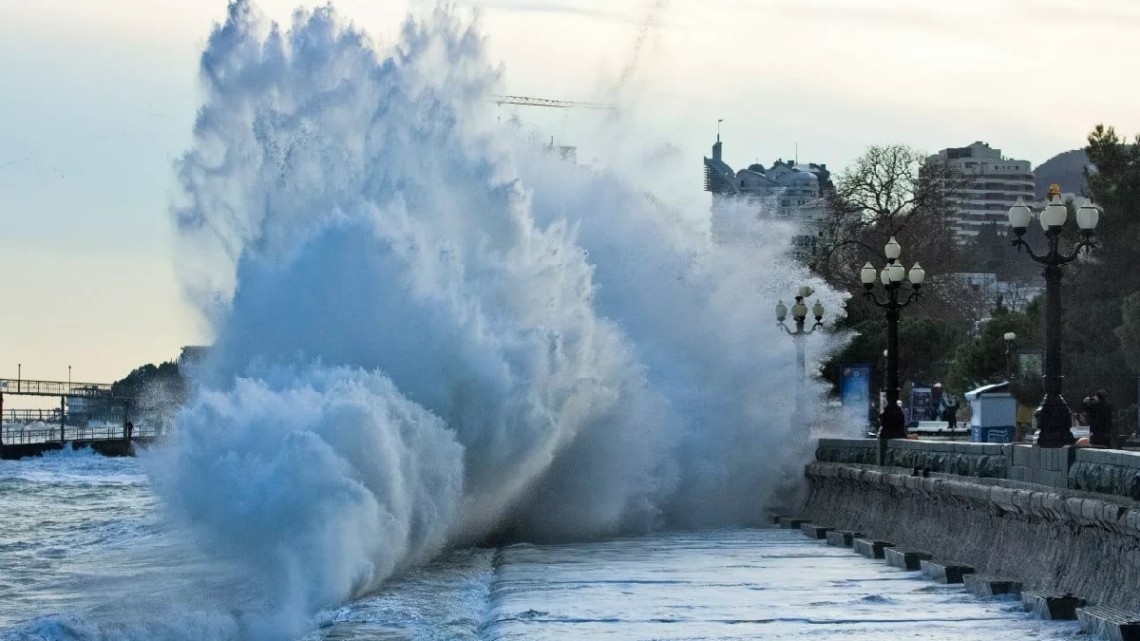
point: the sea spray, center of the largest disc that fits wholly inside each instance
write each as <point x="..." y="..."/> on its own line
<point x="429" y="331"/>
<point x="320" y="482"/>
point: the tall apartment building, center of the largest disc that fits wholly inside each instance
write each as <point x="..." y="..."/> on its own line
<point x="995" y="184"/>
<point x="786" y="190"/>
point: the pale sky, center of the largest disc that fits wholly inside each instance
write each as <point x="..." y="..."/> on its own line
<point x="97" y="99"/>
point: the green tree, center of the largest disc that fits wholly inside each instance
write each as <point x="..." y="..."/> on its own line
<point x="153" y="387"/>
<point x="1100" y="324"/>
<point x="1129" y="330"/>
<point x="988" y="358"/>
<point x="926" y="346"/>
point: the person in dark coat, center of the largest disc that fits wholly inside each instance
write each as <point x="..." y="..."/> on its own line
<point x="950" y="413"/>
<point x="1081" y="416"/>
<point x="1099" y="412"/>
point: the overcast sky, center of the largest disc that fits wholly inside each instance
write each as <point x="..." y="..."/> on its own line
<point x="97" y="98"/>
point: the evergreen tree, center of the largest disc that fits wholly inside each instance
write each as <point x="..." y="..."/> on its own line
<point x="1102" y="294"/>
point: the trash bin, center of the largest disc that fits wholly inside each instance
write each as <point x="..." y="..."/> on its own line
<point x="994" y="411"/>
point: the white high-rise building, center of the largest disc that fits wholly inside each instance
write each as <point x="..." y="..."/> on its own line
<point x="994" y="185"/>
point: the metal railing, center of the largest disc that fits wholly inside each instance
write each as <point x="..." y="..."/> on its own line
<point x="54" y="388"/>
<point x="112" y="416"/>
<point x="44" y="433"/>
<point x="31" y="416"/>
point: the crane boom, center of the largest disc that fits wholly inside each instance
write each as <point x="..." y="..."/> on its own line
<point x="527" y="101"/>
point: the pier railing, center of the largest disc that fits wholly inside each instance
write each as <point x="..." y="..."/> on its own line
<point x="45" y="433"/>
<point x="31" y="416"/>
<point x="24" y="387"/>
<point x="81" y="418"/>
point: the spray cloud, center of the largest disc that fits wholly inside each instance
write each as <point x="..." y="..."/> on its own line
<point x="430" y="331"/>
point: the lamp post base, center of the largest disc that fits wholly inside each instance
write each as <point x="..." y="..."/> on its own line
<point x="892" y="422"/>
<point x="1055" y="421"/>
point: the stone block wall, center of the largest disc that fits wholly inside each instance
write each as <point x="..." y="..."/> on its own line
<point x="1051" y="540"/>
<point x="1106" y="471"/>
<point x="860" y="451"/>
<point x="1043" y="466"/>
<point x="988" y="460"/>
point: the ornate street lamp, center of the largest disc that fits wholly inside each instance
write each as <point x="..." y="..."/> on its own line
<point x="799" y="315"/>
<point x="1009" y="338"/>
<point x="1053" y="416"/>
<point x="892" y="421"/>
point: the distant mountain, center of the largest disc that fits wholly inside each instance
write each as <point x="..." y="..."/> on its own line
<point x="1067" y="169"/>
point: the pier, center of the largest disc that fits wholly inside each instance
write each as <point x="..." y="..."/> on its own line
<point x="89" y="415"/>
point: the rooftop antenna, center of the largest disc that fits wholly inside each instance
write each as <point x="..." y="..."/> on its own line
<point x="719" y="120"/>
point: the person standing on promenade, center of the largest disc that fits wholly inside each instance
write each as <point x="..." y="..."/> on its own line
<point x="1099" y="413"/>
<point x="950" y="413"/>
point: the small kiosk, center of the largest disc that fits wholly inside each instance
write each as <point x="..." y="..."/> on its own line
<point x="994" y="414"/>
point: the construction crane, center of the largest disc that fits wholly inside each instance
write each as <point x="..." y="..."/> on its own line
<point x="527" y="101"/>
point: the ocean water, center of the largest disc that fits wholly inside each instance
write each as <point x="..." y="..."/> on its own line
<point x="86" y="556"/>
<point x="65" y="521"/>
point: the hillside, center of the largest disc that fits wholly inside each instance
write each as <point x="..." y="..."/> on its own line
<point x="1066" y="169"/>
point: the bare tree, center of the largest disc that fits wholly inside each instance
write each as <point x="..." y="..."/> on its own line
<point x="896" y="191"/>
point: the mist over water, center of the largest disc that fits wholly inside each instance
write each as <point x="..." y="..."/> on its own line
<point x="430" y="331"/>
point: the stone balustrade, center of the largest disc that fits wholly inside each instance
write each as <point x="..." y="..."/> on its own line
<point x="1110" y="472"/>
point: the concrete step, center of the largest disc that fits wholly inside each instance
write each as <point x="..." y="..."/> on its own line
<point x="791" y="522"/>
<point x="905" y="559"/>
<point x="1110" y="623"/>
<point x="945" y="571"/>
<point x="842" y="538"/>
<point x="870" y="548"/>
<point x="984" y="586"/>
<point x="813" y="531"/>
<point x="1055" y="607"/>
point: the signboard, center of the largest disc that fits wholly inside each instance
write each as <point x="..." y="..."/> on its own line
<point x="855" y="386"/>
<point x="855" y="394"/>
<point x="921" y="399"/>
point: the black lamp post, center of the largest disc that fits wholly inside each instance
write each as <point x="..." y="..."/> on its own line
<point x="1054" y="418"/>
<point x="892" y="422"/>
<point x="799" y="315"/>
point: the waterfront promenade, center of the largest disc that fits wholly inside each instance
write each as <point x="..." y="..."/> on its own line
<point x="767" y="584"/>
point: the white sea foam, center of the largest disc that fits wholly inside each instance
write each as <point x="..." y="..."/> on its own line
<point x="430" y="331"/>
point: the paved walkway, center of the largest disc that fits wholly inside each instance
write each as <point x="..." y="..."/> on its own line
<point x="742" y="584"/>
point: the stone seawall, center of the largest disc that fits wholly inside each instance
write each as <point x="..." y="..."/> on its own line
<point x="1050" y="539"/>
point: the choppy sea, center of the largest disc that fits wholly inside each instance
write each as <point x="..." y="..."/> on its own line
<point x="84" y="554"/>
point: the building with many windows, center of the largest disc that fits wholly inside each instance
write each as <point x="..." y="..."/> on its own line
<point x="787" y="190"/>
<point x="994" y="183"/>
